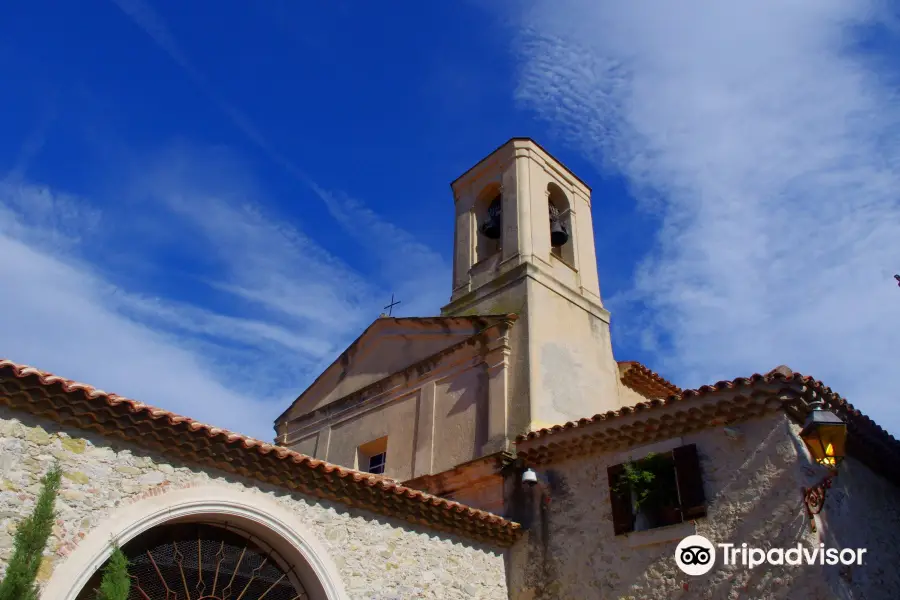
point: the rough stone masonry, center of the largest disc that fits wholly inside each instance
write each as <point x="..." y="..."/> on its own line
<point x="377" y="557"/>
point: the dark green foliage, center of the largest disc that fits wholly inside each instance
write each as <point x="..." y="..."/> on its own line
<point x="652" y="481"/>
<point x="116" y="584"/>
<point x="29" y="543"/>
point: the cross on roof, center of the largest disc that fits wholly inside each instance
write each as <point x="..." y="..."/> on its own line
<point x="390" y="307"/>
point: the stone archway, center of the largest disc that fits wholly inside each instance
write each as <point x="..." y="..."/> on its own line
<point x="270" y="532"/>
<point x="204" y="561"/>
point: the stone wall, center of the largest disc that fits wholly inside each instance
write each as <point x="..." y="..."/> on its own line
<point x="376" y="557"/>
<point x="752" y="480"/>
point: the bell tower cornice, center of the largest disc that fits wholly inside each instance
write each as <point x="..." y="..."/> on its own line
<point x="520" y="147"/>
<point x="467" y="303"/>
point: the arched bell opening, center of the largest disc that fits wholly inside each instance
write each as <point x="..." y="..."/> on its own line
<point x="562" y="244"/>
<point x="488" y="222"/>
<point x="205" y="561"/>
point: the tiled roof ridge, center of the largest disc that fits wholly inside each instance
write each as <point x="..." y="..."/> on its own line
<point x="867" y="441"/>
<point x="781" y="373"/>
<point x="424" y="508"/>
<point x="854" y="417"/>
<point x="644" y="381"/>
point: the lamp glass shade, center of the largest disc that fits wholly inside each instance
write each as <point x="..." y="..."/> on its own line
<point x="825" y="435"/>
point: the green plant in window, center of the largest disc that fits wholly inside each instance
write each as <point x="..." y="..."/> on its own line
<point x="650" y="481"/>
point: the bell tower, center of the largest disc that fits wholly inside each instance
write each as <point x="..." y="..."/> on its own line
<point x="524" y="244"/>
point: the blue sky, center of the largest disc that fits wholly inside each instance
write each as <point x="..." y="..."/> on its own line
<point x="200" y="208"/>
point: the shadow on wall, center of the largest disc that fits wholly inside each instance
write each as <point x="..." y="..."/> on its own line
<point x="474" y="398"/>
<point x="862" y="510"/>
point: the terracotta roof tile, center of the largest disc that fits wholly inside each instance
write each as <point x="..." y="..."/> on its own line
<point x="644" y="381"/>
<point x="867" y="440"/>
<point x="85" y="407"/>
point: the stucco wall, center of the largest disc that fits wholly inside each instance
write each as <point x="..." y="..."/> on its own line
<point x="432" y="422"/>
<point x="629" y="397"/>
<point x="441" y="413"/>
<point x="519" y="401"/>
<point x="376" y="557"/>
<point x="573" y="372"/>
<point x="511" y="299"/>
<point x="863" y="511"/>
<point x="309" y="445"/>
<point x="396" y="420"/>
<point x="386" y="347"/>
<point x="460" y="418"/>
<point x="485" y="270"/>
<point x="753" y="488"/>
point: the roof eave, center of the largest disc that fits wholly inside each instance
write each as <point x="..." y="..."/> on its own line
<point x="83" y="407"/>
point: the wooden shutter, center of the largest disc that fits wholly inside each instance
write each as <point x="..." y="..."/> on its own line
<point x="690" y="482"/>
<point x="623" y="520"/>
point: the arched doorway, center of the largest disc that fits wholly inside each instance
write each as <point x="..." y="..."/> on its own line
<point x="204" y="561"/>
<point x="196" y="519"/>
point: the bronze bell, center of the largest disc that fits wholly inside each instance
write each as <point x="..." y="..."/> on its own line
<point x="558" y="234"/>
<point x="492" y="225"/>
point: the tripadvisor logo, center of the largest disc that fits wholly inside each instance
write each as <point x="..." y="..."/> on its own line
<point x="696" y="555"/>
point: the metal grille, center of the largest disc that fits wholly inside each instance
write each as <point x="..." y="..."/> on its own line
<point x="203" y="562"/>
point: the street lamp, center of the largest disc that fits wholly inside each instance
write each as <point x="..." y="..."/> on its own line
<point x="825" y="436"/>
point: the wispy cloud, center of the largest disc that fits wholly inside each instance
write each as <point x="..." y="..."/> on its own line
<point x="407" y="266"/>
<point x="61" y="316"/>
<point x="186" y="288"/>
<point x="186" y="291"/>
<point x="32" y="145"/>
<point x="404" y="264"/>
<point x="143" y="15"/>
<point x="766" y="138"/>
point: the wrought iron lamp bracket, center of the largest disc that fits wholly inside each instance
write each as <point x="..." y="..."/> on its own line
<point x="814" y="498"/>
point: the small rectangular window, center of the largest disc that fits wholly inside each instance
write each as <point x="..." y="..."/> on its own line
<point x="371" y="457"/>
<point x="656" y="491"/>
<point x="376" y="463"/>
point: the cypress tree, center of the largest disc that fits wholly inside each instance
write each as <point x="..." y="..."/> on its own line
<point x="29" y="543"/>
<point x="116" y="584"/>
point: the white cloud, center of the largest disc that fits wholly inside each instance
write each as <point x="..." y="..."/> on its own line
<point x="98" y="295"/>
<point x="60" y="316"/>
<point x="767" y="140"/>
<point x="419" y="276"/>
<point x="184" y="292"/>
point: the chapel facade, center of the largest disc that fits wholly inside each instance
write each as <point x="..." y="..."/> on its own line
<point x="523" y="343"/>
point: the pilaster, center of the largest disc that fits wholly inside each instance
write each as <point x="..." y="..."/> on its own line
<point x="424" y="451"/>
<point x="322" y="442"/>
<point x="497" y="363"/>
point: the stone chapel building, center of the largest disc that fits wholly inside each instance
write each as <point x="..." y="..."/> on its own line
<point x="524" y="343"/>
<point x="476" y="454"/>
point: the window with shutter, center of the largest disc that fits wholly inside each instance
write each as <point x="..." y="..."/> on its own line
<point x="659" y="490"/>
<point x="690" y="482"/>
<point x="620" y="499"/>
